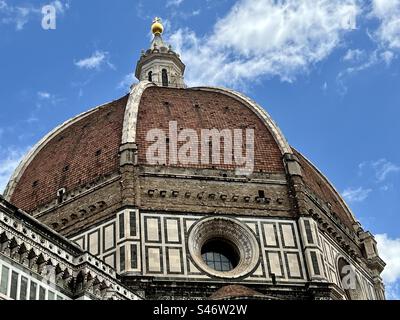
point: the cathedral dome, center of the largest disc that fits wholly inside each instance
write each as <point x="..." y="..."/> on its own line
<point x="195" y="188"/>
<point x="85" y="150"/>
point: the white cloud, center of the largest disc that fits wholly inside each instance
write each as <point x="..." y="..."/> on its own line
<point x="95" y="61"/>
<point x="60" y="6"/>
<point x="44" y="95"/>
<point x="389" y="251"/>
<point x="385" y="188"/>
<point x="32" y="119"/>
<point x="356" y="195"/>
<point x="47" y="97"/>
<point x="387" y="36"/>
<point x="127" y="81"/>
<point x="265" y="38"/>
<point x="196" y="12"/>
<point x="392" y="291"/>
<point x="387" y="56"/>
<point x="9" y="160"/>
<point x="383" y="168"/>
<point x="362" y="62"/>
<point x="368" y="61"/>
<point x="3" y="5"/>
<point x="353" y="55"/>
<point x="388" y="12"/>
<point x="174" y="3"/>
<point x="19" y="16"/>
<point x="181" y="14"/>
<point x="379" y="170"/>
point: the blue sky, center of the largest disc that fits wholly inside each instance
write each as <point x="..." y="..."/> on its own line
<point x="326" y="71"/>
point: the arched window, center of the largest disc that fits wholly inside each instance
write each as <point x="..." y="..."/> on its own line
<point x="150" y="76"/>
<point x="164" y="78"/>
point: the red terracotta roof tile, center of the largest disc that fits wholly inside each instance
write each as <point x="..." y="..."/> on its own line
<point x="77" y="155"/>
<point x="194" y="109"/>
<point x="318" y="184"/>
<point x="234" y="291"/>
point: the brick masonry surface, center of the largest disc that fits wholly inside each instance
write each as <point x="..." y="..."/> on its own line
<point x="197" y="110"/>
<point x="323" y="190"/>
<point x="78" y="155"/>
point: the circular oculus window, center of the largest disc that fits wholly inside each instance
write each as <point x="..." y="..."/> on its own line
<point x="223" y="247"/>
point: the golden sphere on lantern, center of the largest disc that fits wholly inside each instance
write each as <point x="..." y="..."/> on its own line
<point x="157" y="28"/>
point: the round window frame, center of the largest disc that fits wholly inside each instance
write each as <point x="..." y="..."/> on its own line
<point x="230" y="230"/>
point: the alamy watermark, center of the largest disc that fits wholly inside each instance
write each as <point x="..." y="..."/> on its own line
<point x="49" y="20"/>
<point x="349" y="19"/>
<point x="231" y="148"/>
<point x="348" y="278"/>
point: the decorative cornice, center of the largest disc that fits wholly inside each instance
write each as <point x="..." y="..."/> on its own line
<point x="376" y="263"/>
<point x="146" y="59"/>
<point x="32" y="245"/>
<point x="73" y="195"/>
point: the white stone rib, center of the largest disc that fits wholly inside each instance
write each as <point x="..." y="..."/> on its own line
<point x="261" y="113"/>
<point x="131" y="111"/>
<point x="39" y="146"/>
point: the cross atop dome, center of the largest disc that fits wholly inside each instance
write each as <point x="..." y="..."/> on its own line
<point x="160" y="64"/>
<point x="157" y="27"/>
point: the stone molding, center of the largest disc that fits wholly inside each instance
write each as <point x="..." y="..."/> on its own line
<point x="231" y="230"/>
<point x="32" y="245"/>
<point x="131" y="111"/>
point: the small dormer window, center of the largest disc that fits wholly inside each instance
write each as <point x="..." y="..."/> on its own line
<point x="60" y="195"/>
<point x="164" y="78"/>
<point x="150" y="74"/>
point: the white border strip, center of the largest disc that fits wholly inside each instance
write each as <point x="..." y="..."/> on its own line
<point x="132" y="110"/>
